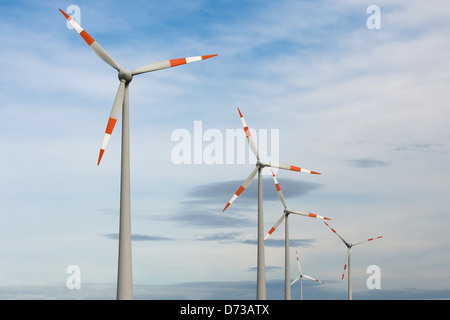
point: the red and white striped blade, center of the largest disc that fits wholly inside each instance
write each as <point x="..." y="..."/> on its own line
<point x="280" y="194"/>
<point x="170" y="63"/>
<point x="275" y="226"/>
<point x="298" y="263"/>
<point x="92" y="43"/>
<point x="308" y="214"/>
<point x="346" y="261"/>
<point x="304" y="275"/>
<point x="242" y="188"/>
<point x="250" y="140"/>
<point x="371" y="239"/>
<point x="115" y="112"/>
<point x="292" y="168"/>
<point x="345" y="242"/>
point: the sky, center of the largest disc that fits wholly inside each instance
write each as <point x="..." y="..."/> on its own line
<point x="366" y="107"/>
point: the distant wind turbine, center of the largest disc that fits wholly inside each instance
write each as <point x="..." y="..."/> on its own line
<point x="261" y="278"/>
<point x="124" y="278"/>
<point x="301" y="276"/>
<point x="347" y="259"/>
<point x="284" y="216"/>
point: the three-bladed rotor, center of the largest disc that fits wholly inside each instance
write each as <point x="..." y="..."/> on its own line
<point x="259" y="163"/>
<point x="125" y="76"/>
<point x="288" y="211"/>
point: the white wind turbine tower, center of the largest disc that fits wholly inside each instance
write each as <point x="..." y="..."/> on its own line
<point x="124" y="277"/>
<point x="284" y="216"/>
<point x="260" y="277"/>
<point x="347" y="259"/>
<point x="301" y="276"/>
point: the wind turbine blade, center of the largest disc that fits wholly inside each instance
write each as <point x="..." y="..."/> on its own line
<point x="346" y="260"/>
<point x="115" y="112"/>
<point x="345" y="242"/>
<point x="300" y="270"/>
<point x="308" y="214"/>
<point x="242" y="187"/>
<point x="280" y="194"/>
<point x="296" y="279"/>
<point x="354" y="244"/>
<point x="291" y="168"/>
<point x="170" y="63"/>
<point x="313" y="278"/>
<point x="298" y="262"/>
<point x="250" y="140"/>
<point x="275" y="226"/>
<point x="92" y="43"/>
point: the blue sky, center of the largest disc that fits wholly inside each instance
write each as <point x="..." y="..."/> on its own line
<point x="367" y="108"/>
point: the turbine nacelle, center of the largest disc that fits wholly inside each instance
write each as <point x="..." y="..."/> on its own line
<point x="261" y="164"/>
<point x="125" y="75"/>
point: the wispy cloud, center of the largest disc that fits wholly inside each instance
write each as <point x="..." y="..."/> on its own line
<point x="202" y="214"/>
<point x="367" y="163"/>
<point x="235" y="237"/>
<point x="293" y="243"/>
<point x="205" y="202"/>
<point x="420" y="147"/>
<point x="138" y="237"/>
<point x="218" y="191"/>
<point x="221" y="237"/>
<point x="268" y="268"/>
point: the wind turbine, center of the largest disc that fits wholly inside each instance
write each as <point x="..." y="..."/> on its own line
<point x="301" y="276"/>
<point x="347" y="259"/>
<point x="260" y="277"/>
<point x="284" y="216"/>
<point x="121" y="101"/>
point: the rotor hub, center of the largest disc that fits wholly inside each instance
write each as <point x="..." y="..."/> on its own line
<point x="260" y="164"/>
<point x="125" y="74"/>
